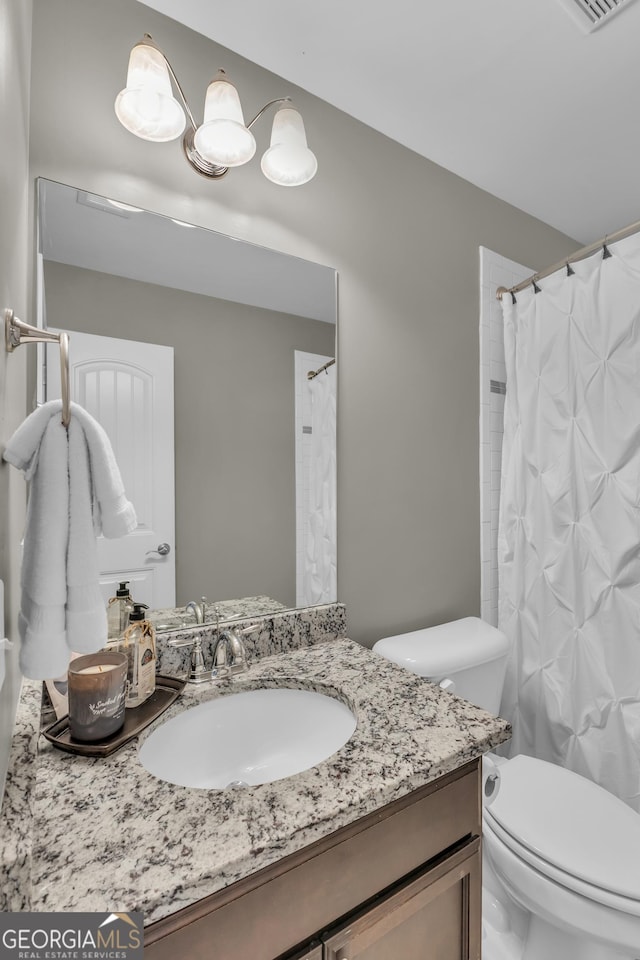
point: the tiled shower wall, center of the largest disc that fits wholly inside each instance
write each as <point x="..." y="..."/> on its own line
<point x="495" y="271"/>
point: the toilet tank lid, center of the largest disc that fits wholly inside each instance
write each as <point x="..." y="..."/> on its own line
<point x="446" y="648"/>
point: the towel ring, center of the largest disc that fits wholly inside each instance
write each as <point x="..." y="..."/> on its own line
<point x="16" y="332"/>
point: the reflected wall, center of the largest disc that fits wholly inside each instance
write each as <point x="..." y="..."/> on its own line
<point x="234" y="421"/>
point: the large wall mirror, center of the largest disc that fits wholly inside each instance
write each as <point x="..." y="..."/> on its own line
<point x="194" y="349"/>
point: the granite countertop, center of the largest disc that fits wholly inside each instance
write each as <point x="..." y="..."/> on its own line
<point x="106" y="835"/>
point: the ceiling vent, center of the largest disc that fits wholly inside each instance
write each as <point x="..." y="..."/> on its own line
<point x="590" y="14"/>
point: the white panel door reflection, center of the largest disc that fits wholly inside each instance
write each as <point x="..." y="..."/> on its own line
<point x="128" y="387"/>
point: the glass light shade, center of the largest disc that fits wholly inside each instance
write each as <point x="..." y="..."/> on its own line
<point x="147" y="106"/>
<point x="288" y="161"/>
<point x="223" y="138"/>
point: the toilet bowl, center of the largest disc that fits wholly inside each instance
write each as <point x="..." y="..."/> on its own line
<point x="561" y="854"/>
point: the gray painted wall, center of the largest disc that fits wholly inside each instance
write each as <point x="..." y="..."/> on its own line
<point x="234" y="421"/>
<point x="403" y="234"/>
<point x="15" y="17"/>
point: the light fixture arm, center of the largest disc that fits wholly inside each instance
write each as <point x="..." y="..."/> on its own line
<point x="266" y="107"/>
<point x="148" y="41"/>
<point x="206" y="169"/>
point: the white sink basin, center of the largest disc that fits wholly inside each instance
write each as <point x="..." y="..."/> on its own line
<point x="243" y="739"/>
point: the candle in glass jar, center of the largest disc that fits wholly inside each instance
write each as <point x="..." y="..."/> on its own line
<point x="98" y="668"/>
<point x="97" y="688"/>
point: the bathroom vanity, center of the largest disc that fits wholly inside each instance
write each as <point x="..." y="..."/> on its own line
<point x="373" y="853"/>
<point x="404" y="881"/>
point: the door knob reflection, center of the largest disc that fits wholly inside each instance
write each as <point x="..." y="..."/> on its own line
<point x="163" y="549"/>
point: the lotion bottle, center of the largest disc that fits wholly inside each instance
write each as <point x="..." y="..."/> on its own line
<point x="139" y="643"/>
<point x="119" y="610"/>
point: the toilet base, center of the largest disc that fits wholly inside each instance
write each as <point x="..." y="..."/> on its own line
<point x="546" y="942"/>
<point x="543" y="942"/>
<point x="499" y="940"/>
<point x="509" y="932"/>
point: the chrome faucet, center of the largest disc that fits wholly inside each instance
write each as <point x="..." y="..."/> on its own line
<point x="199" y="610"/>
<point x="230" y="653"/>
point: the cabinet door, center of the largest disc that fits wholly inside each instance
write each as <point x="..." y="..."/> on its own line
<point x="434" y="916"/>
<point x="308" y="953"/>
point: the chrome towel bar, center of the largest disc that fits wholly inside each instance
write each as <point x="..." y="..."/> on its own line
<point x="16" y="332"/>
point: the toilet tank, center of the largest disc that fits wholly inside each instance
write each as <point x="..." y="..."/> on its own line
<point x="469" y="652"/>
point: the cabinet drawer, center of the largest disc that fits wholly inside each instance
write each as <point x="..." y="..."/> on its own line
<point x="434" y="916"/>
<point x="285" y="904"/>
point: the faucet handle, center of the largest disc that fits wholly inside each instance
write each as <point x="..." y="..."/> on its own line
<point x="198" y="672"/>
<point x="238" y="647"/>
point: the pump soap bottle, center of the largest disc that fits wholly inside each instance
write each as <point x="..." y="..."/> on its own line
<point x="119" y="610"/>
<point x="139" y="643"/>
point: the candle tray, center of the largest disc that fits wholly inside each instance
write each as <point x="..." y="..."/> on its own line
<point x="135" y="720"/>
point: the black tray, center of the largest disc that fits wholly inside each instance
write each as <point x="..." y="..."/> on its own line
<point x="135" y="720"/>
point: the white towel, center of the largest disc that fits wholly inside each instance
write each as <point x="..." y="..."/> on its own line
<point x="75" y="493"/>
<point x="39" y="447"/>
<point x="114" y="516"/>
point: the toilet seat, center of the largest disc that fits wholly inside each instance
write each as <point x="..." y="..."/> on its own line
<point x="553" y="905"/>
<point x="569" y="829"/>
<point x="570" y="882"/>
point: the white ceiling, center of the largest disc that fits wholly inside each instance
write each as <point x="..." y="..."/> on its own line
<point x="510" y="94"/>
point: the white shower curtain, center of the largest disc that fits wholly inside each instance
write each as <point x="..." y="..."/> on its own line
<point x="569" y="535"/>
<point x="320" y="567"/>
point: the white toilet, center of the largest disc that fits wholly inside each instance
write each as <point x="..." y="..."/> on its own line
<point x="561" y="867"/>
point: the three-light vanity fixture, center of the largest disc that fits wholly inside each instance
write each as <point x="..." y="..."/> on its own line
<point x="148" y="108"/>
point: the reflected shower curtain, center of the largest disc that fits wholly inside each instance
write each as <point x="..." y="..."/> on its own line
<point x="569" y="534"/>
<point x="320" y="567"/>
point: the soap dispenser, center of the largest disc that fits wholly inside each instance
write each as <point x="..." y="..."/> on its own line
<point x="119" y="610"/>
<point x="139" y="643"/>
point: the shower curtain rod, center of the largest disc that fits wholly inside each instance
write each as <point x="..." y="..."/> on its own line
<point x="581" y="254"/>
<point x="314" y="373"/>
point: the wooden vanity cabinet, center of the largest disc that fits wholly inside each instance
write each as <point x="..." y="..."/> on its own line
<point x="403" y="882"/>
<point x="313" y="952"/>
<point x="433" y="916"/>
